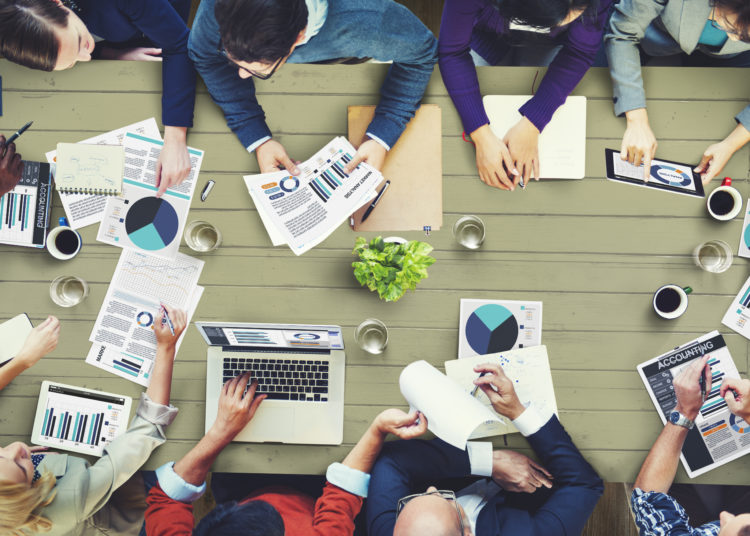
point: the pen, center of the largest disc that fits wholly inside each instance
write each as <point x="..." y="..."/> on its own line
<point x="207" y="189"/>
<point x="16" y="135"/>
<point x="476" y="387"/>
<point x="702" y="381"/>
<point x="167" y="320"/>
<point x="375" y="201"/>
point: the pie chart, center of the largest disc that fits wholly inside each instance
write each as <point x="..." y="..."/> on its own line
<point x="491" y="328"/>
<point x="746" y="236"/>
<point x="151" y="223"/>
<point x="671" y="175"/>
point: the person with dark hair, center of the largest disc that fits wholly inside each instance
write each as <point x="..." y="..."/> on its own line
<point x="718" y="30"/>
<point x="234" y="41"/>
<point x="657" y="512"/>
<point x="275" y="510"/>
<point x="486" y="30"/>
<point x="554" y="497"/>
<point x="11" y="166"/>
<point x="54" y="35"/>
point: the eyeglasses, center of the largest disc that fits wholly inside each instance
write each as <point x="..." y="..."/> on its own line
<point x="446" y="494"/>
<point x="259" y="76"/>
<point x="729" y="31"/>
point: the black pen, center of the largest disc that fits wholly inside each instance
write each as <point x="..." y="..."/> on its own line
<point x="375" y="201"/>
<point x="702" y="381"/>
<point x="476" y="387"/>
<point x="15" y="136"/>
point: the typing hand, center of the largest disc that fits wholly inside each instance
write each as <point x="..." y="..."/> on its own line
<point x="371" y="152"/>
<point x="41" y="341"/>
<point x="173" y="165"/>
<point x="714" y="160"/>
<point x="493" y="158"/>
<point x="11" y="167"/>
<point x="272" y="157"/>
<point x="738" y="403"/>
<point x="639" y="143"/>
<point x="237" y="408"/>
<point x="499" y="389"/>
<point x="518" y="473"/>
<point x="164" y="336"/>
<point x="398" y="423"/>
<point x="523" y="143"/>
<point x="687" y="388"/>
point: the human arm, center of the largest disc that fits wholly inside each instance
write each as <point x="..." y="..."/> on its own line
<point x="41" y="341"/>
<point x="736" y="392"/>
<point x="717" y="155"/>
<point x="11" y="167"/>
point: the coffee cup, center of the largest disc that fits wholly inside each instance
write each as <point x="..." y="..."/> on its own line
<point x="64" y="242"/>
<point x="671" y="301"/>
<point x="725" y="202"/>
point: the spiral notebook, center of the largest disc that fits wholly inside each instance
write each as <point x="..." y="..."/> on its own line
<point x="89" y="169"/>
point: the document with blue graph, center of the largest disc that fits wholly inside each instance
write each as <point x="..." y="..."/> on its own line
<point x="718" y="436"/>
<point x="123" y="335"/>
<point x="737" y="316"/>
<point x="304" y="210"/>
<point x="24" y="211"/>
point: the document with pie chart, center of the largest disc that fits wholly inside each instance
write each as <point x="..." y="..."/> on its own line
<point x="138" y="219"/>
<point x="745" y="238"/>
<point x="491" y="326"/>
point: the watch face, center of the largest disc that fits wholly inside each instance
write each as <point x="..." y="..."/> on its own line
<point x="674" y="417"/>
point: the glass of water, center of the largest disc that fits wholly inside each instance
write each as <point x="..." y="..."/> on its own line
<point x="469" y="231"/>
<point x="372" y="336"/>
<point x="68" y="290"/>
<point x="202" y="236"/>
<point x="713" y="256"/>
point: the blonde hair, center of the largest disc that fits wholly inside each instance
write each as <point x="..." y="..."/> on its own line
<point x="20" y="502"/>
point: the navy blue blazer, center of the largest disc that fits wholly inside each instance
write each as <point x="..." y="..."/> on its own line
<point x="407" y="467"/>
<point x="163" y="23"/>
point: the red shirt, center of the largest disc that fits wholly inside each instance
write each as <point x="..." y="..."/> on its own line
<point x="331" y="515"/>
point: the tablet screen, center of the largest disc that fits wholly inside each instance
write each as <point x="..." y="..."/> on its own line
<point x="665" y="175"/>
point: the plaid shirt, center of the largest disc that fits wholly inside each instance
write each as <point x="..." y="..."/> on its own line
<point x="658" y="514"/>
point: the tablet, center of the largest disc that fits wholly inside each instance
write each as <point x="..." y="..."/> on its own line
<point x="665" y="175"/>
<point x="77" y="419"/>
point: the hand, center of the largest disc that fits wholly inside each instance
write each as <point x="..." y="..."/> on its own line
<point x="236" y="410"/>
<point x="493" y="158"/>
<point x="164" y="337"/>
<point x="688" y="390"/>
<point x="638" y="142"/>
<point x="499" y="389"/>
<point x="398" y="423"/>
<point x="714" y="160"/>
<point x="272" y="157"/>
<point x="41" y="341"/>
<point x="523" y="143"/>
<point x="173" y="165"/>
<point x="371" y="152"/>
<point x="131" y="54"/>
<point x="739" y="404"/>
<point x="518" y="473"/>
<point x="11" y="167"/>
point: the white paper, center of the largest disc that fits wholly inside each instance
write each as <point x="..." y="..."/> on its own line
<point x="737" y="316"/>
<point x="82" y="210"/>
<point x="745" y="237"/>
<point x="562" y="143"/>
<point x="530" y="373"/>
<point x="124" y="326"/>
<point x="306" y="209"/>
<point x="139" y="219"/>
<point x="452" y="414"/>
<point x="490" y="326"/>
<point x="722" y="436"/>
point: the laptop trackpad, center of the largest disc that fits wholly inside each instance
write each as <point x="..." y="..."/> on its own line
<point x="272" y="424"/>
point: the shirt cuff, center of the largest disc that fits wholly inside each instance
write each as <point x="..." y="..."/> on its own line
<point x="250" y="148"/>
<point x="156" y="413"/>
<point x="381" y="142"/>
<point x="175" y="487"/>
<point x="351" y="480"/>
<point x="480" y="457"/>
<point x="530" y="421"/>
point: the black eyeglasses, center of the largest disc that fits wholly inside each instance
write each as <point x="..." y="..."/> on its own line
<point x="446" y="494"/>
<point x="260" y="76"/>
<point x="729" y="31"/>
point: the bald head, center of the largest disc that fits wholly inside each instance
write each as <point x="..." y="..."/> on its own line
<point x="429" y="514"/>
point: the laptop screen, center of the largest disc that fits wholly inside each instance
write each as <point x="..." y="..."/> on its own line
<point x="267" y="336"/>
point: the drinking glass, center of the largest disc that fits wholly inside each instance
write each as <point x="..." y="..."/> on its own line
<point x="202" y="236"/>
<point x="714" y="256"/>
<point x="469" y="232"/>
<point x="372" y="336"/>
<point x="68" y="290"/>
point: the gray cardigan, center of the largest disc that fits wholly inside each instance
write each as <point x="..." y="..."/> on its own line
<point x="682" y="19"/>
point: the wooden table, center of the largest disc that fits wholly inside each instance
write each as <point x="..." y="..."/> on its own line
<point x="591" y="250"/>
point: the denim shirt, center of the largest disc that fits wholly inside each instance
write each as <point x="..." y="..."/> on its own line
<point x="658" y="514"/>
<point x="378" y="29"/>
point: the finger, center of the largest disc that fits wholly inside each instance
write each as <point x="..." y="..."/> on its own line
<point x="713" y="170"/>
<point x="250" y="394"/>
<point x="256" y="403"/>
<point x="422" y="426"/>
<point x="18" y="164"/>
<point x="287" y="164"/>
<point x="526" y="173"/>
<point x="542" y="470"/>
<point x="647" y="166"/>
<point x="152" y="51"/>
<point x="732" y="402"/>
<point x="508" y="161"/>
<point x="503" y="181"/>
<point x="535" y="163"/>
<point x="162" y="188"/>
<point x="10" y="152"/>
<point x="357" y="160"/>
<point x="701" y="167"/>
<point x="492" y="368"/>
<point x="623" y="150"/>
<point x="727" y="384"/>
<point x="244" y="379"/>
<point x="544" y="479"/>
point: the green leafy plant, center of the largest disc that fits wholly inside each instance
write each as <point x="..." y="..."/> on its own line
<point x="391" y="268"/>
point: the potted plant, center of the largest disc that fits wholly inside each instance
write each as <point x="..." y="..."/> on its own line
<point x="391" y="267"/>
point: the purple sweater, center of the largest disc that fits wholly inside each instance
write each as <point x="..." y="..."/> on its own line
<point x="477" y="25"/>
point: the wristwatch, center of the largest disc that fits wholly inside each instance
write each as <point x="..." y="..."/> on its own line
<point x="679" y="419"/>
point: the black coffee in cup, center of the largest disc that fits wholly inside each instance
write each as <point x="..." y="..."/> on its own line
<point x="721" y="202"/>
<point x="668" y="300"/>
<point x="67" y="241"/>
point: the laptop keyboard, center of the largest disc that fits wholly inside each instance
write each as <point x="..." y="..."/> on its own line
<point x="283" y="378"/>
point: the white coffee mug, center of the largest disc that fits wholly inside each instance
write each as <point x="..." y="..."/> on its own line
<point x="719" y="208"/>
<point x="671" y="301"/>
<point x="64" y="242"/>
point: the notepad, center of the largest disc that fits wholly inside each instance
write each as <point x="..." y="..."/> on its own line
<point x="89" y="169"/>
<point x="13" y="334"/>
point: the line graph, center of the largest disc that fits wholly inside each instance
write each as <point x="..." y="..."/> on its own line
<point x="170" y="281"/>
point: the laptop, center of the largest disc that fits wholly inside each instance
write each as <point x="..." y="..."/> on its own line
<point x="299" y="367"/>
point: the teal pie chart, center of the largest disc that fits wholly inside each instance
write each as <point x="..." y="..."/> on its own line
<point x="491" y="328"/>
<point x="151" y="223"/>
<point x="746" y="236"/>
